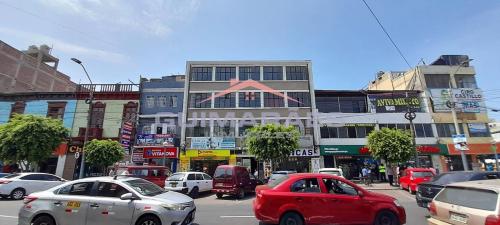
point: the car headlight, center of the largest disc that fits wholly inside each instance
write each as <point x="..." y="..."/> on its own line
<point x="396" y="202"/>
<point x="173" y="207"/>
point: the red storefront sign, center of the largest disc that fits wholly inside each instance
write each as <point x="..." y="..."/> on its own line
<point x="159" y="153"/>
<point x="423" y="149"/>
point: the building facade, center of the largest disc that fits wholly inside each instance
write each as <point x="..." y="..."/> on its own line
<point x="158" y="129"/>
<point x="33" y="70"/>
<point x="448" y="81"/>
<point x="224" y="98"/>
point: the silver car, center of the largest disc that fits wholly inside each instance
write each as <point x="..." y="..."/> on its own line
<point x="115" y="200"/>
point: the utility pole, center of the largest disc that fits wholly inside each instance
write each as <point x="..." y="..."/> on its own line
<point x="410" y="115"/>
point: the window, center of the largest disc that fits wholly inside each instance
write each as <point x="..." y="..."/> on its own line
<point x="162" y="101"/>
<point x="272" y="100"/>
<point x="346" y="132"/>
<point x="249" y="73"/>
<point x="273" y="73"/>
<point x="173" y="101"/>
<point x="48" y="177"/>
<point x="150" y="101"/>
<point x="32" y="177"/>
<point x="225" y="101"/>
<point x="352" y="104"/>
<point x="198" y="129"/>
<point x="139" y="172"/>
<point x="191" y="176"/>
<point x="296" y="73"/>
<point x="306" y="186"/>
<point x="111" y="190"/>
<point x="130" y="112"/>
<point x="17" y="108"/>
<point x="351" y="132"/>
<point x="437" y="80"/>
<point x="225" y="73"/>
<point x="478" y="130"/>
<point x="334" y="186"/>
<point x="226" y="129"/>
<point x="423" y="130"/>
<point x="56" y="110"/>
<point x="222" y="173"/>
<point x="327" y="104"/>
<point x="201" y="74"/>
<point x="76" y="189"/>
<point x="97" y="115"/>
<point x="201" y="100"/>
<point x="469" y="197"/>
<point x="465" y="81"/>
<point x="447" y="129"/>
<point x="207" y="177"/>
<point x="199" y="176"/>
<point x="343" y="132"/>
<point x="299" y="99"/>
<point x="249" y="99"/>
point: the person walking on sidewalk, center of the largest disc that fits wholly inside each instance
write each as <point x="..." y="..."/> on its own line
<point x="390" y="175"/>
<point x="366" y="176"/>
<point x="381" y="171"/>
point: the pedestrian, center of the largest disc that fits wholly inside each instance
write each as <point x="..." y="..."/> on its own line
<point x="366" y="175"/>
<point x="112" y="172"/>
<point x="381" y="170"/>
<point x="390" y="175"/>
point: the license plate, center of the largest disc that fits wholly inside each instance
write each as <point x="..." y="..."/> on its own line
<point x="219" y="185"/>
<point x="73" y="204"/>
<point x="458" y="217"/>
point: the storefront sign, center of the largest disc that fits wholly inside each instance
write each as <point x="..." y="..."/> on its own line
<point x="208" y="153"/>
<point x="468" y="100"/>
<point x="159" y="153"/>
<point x="305" y="152"/>
<point x="125" y="138"/>
<point x="138" y="155"/>
<point x="394" y="102"/>
<point x="213" y="143"/>
<point x="155" y="140"/>
<point x="340" y="149"/>
<point x="74" y="148"/>
<point x="426" y="149"/>
<point x="474" y="149"/>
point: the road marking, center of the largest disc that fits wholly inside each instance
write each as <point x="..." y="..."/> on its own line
<point x="237" y="216"/>
<point x="4" y="216"/>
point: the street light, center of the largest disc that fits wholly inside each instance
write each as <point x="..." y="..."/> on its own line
<point x="89" y="117"/>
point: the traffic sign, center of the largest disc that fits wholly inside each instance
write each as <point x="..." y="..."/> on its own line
<point x="460" y="142"/>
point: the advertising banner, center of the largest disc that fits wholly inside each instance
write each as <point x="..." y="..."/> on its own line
<point x="138" y="155"/>
<point x="467" y="100"/>
<point x="125" y="136"/>
<point x="394" y="102"/>
<point x="155" y="140"/>
<point x="477" y="128"/>
<point x="159" y="153"/>
<point x="213" y="143"/>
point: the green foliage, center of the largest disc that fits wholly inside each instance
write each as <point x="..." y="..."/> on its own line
<point x="103" y="153"/>
<point x="271" y="141"/>
<point x="392" y="145"/>
<point x="28" y="139"/>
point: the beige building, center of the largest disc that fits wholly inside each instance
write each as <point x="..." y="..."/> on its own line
<point x="449" y="79"/>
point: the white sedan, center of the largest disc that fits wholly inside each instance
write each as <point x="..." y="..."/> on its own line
<point x="16" y="186"/>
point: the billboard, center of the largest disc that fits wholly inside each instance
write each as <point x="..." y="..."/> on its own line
<point x="467" y="100"/>
<point x="155" y="140"/>
<point x="213" y="142"/>
<point x="394" y="102"/>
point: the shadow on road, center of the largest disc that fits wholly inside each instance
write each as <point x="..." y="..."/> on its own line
<point x="230" y="197"/>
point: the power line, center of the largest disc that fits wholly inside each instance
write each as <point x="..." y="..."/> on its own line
<point x="387" y="33"/>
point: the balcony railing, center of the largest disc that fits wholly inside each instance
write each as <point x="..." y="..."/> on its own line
<point x="107" y="88"/>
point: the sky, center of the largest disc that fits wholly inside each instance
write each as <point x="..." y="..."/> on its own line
<point x="120" y="40"/>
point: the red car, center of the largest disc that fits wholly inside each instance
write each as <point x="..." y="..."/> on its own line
<point x="412" y="177"/>
<point x="307" y="198"/>
<point x="233" y="180"/>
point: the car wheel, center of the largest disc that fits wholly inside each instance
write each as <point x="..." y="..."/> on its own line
<point x="149" y="220"/>
<point x="386" y="218"/>
<point x="17" y="194"/>
<point x="43" y="220"/>
<point x="218" y="195"/>
<point x="241" y="194"/>
<point x="291" y="219"/>
<point x="195" y="192"/>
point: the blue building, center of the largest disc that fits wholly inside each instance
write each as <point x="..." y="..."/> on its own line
<point x="158" y="129"/>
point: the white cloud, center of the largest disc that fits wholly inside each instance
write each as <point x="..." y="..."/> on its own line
<point x="153" y="17"/>
<point x="66" y="47"/>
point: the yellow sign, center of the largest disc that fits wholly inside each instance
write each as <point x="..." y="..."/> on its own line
<point x="73" y="204"/>
<point x="208" y="153"/>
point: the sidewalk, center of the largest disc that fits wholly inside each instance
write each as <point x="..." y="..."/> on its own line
<point x="379" y="186"/>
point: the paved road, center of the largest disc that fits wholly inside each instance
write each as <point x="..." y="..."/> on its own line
<point x="212" y="211"/>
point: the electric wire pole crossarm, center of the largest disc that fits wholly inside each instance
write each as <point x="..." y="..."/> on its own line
<point x="89" y="118"/>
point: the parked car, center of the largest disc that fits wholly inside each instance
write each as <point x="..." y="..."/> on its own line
<point x="427" y="191"/>
<point x="189" y="182"/>
<point x="473" y="202"/>
<point x="314" y="198"/>
<point x="277" y="174"/>
<point x="155" y="174"/>
<point x="332" y="171"/>
<point x="412" y="177"/>
<point x="17" y="185"/>
<point x="233" y="180"/>
<point x="4" y="174"/>
<point x="118" y="200"/>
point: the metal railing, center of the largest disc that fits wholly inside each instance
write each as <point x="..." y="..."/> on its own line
<point x="107" y="88"/>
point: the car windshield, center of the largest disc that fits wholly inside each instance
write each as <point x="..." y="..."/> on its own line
<point x="145" y="187"/>
<point x="11" y="175"/>
<point x="177" y="177"/>
<point x="470" y="198"/>
<point x="448" y="178"/>
<point x="423" y="174"/>
<point x="336" y="173"/>
<point x="278" y="180"/>
<point x="276" y="176"/>
<point x="222" y="173"/>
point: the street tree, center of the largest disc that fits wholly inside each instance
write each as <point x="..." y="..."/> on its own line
<point x="392" y="145"/>
<point x="103" y="153"/>
<point x="272" y="142"/>
<point x="28" y="140"/>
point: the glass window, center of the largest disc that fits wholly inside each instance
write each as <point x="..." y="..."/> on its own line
<point x="249" y="99"/>
<point x="465" y="81"/>
<point x="191" y="176"/>
<point x="249" y="72"/>
<point x="150" y="101"/>
<point x="225" y="101"/>
<point x="56" y="110"/>
<point x="428" y="130"/>
<point x="327" y="104"/>
<point x="447" y="129"/>
<point x="277" y="181"/>
<point x="162" y="101"/>
<point x="201" y="100"/>
<point x="419" y="130"/>
<point x="199" y="176"/>
<point x="351" y="132"/>
<point x="145" y="187"/>
<point x="273" y="73"/>
<point x="422" y="174"/>
<point x="296" y="73"/>
<point x="207" y="177"/>
<point x="470" y="198"/>
<point x="48" y="177"/>
<point x="223" y="173"/>
<point x="176" y="177"/>
<point x="352" y="104"/>
<point x="139" y="172"/>
<point x="272" y="100"/>
<point x="306" y="186"/>
<point x="225" y="73"/>
<point x="76" y="189"/>
<point x="334" y="186"/>
<point x="198" y="128"/>
<point x="111" y="190"/>
<point x="299" y="99"/>
<point x="361" y="132"/>
<point x="173" y="101"/>
<point x="32" y="177"/>
<point x="201" y="74"/>
<point x="225" y="129"/>
<point x="478" y="130"/>
<point x="343" y="132"/>
<point x="324" y="132"/>
<point x="437" y="80"/>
